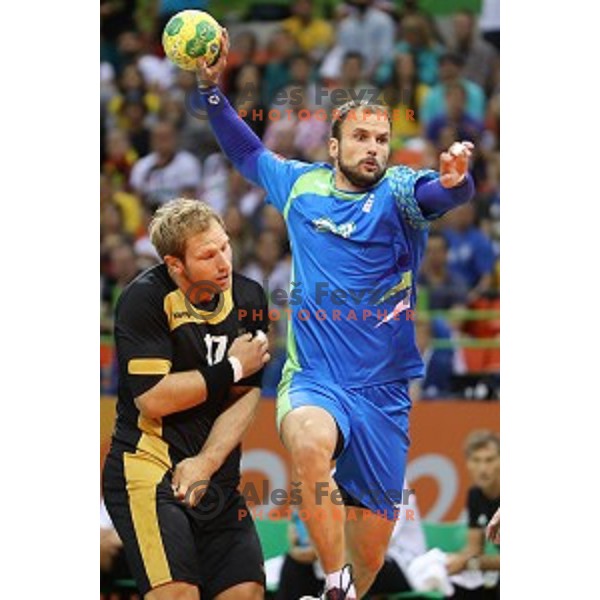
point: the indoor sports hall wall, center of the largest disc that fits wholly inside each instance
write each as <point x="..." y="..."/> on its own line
<point x="436" y="467"/>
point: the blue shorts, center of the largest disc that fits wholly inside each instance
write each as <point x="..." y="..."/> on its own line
<point x="374" y="423"/>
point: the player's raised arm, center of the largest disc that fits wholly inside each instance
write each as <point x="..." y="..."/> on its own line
<point x="239" y="143"/>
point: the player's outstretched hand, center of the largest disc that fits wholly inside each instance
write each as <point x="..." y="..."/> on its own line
<point x="209" y="76"/>
<point x="252" y="352"/>
<point x="191" y="479"/>
<point x="492" y="531"/>
<point x="454" y="164"/>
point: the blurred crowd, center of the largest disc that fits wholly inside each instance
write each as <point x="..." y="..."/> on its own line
<point x="440" y="76"/>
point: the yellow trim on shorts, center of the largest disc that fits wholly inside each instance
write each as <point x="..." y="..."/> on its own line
<point x="143" y="471"/>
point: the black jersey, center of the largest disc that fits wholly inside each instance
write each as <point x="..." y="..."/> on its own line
<point x="481" y="508"/>
<point x="158" y="331"/>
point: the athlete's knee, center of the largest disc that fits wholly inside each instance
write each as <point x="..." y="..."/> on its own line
<point x="311" y="450"/>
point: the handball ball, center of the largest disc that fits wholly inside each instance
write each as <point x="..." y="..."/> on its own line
<point x="189" y="35"/>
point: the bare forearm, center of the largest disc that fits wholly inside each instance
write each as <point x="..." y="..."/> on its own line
<point x="175" y="392"/>
<point x="489" y="563"/>
<point x="229" y="428"/>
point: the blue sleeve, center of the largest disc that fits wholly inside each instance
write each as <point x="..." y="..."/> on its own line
<point x="278" y="175"/>
<point x="238" y="142"/>
<point x="403" y="182"/>
<point x="434" y="200"/>
<point x="247" y="152"/>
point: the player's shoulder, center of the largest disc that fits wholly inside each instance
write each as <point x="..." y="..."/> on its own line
<point x="149" y="287"/>
<point x="247" y="292"/>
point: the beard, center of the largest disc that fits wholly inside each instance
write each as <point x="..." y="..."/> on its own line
<point x="356" y="177"/>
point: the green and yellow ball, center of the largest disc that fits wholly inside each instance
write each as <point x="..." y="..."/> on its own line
<point x="189" y="35"/>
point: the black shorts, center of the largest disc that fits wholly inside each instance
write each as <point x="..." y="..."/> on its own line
<point x="166" y="541"/>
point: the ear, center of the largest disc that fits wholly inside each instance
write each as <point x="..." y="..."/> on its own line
<point x="334" y="148"/>
<point x="174" y="265"/>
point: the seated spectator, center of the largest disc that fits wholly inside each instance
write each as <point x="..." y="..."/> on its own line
<point x="268" y="267"/>
<point x="240" y="235"/>
<point x="127" y="204"/>
<point x="480" y="57"/>
<point x="483" y="463"/>
<point x="247" y="98"/>
<point x="244" y="51"/>
<point x="366" y="29"/>
<point x="120" y="157"/>
<point x="167" y="172"/>
<point x="135" y="121"/>
<point x="450" y="71"/>
<point x="471" y="254"/>
<point x="300" y="77"/>
<point x="443" y="288"/>
<point x="123" y="269"/>
<point x="351" y="84"/>
<point x="418" y="41"/>
<point x="440" y="363"/>
<point x="136" y="49"/>
<point x="454" y="123"/>
<point x="404" y="93"/>
<point x="281" y="46"/>
<point x="131" y="88"/>
<point x="312" y="34"/>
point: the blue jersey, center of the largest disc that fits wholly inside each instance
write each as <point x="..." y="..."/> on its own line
<point x="355" y="258"/>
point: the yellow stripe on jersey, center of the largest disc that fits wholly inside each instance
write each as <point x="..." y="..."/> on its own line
<point x="143" y="471"/>
<point x="148" y="366"/>
<point x="179" y="311"/>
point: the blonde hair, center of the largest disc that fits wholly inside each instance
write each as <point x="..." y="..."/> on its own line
<point x="176" y="221"/>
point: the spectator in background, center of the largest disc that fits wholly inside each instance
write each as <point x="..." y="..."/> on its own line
<point x="280" y="49"/>
<point x="268" y="267"/>
<point x="240" y="235"/>
<point x="351" y="82"/>
<point x="247" y="98"/>
<point x="450" y="72"/>
<point x="244" y="51"/>
<point x="454" y="123"/>
<point x="116" y="16"/>
<point x="440" y="363"/>
<point x="194" y="134"/>
<point x="443" y="288"/>
<point x="122" y="269"/>
<point x="417" y="40"/>
<point x="301" y="76"/>
<point x="489" y="22"/>
<point x="131" y="88"/>
<point x="120" y="157"/>
<point x="134" y="121"/>
<point x="471" y="254"/>
<point x="404" y="92"/>
<point x="480" y="57"/>
<point x="128" y="206"/>
<point x="167" y="172"/>
<point x="136" y="49"/>
<point x="368" y="30"/>
<point x="215" y="181"/>
<point x="482" y="450"/>
<point x="312" y="34"/>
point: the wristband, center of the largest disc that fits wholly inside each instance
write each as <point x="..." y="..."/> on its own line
<point x="218" y="379"/>
<point x="236" y="365"/>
